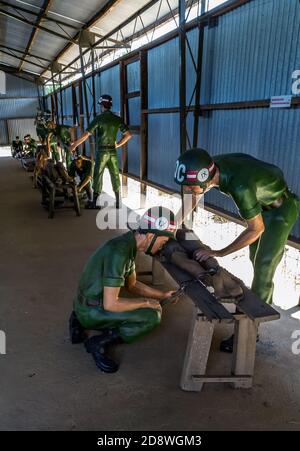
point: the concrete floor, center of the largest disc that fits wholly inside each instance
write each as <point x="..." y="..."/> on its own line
<point x="49" y="384"/>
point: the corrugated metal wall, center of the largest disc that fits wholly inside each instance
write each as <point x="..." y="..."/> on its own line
<point x="3" y="133"/>
<point x="67" y="106"/>
<point x="255" y="50"/>
<point x="110" y="84"/>
<point x="163" y="148"/>
<point x="20" y="101"/>
<point x="21" y="127"/>
<point x="163" y="75"/>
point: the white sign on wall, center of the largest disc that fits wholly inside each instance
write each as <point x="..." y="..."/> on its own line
<point x="296" y="83"/>
<point x="2" y="82"/>
<point x="281" y="102"/>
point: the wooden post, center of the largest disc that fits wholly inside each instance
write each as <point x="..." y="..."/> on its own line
<point x="245" y="334"/>
<point x="144" y="126"/>
<point x="197" y="352"/>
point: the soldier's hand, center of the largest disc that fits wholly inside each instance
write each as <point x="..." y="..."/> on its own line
<point x="168" y="294"/>
<point x="152" y="303"/>
<point x="204" y="254"/>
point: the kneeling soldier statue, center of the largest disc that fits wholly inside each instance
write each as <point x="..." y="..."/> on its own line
<point x="98" y="304"/>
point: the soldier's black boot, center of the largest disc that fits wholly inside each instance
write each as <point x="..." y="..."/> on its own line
<point x="92" y="205"/>
<point x="227" y="345"/>
<point x="98" y="347"/>
<point x="118" y="200"/>
<point x="77" y="333"/>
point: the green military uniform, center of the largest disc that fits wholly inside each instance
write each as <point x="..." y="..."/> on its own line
<point x="254" y="185"/>
<point x="109" y="266"/>
<point x="84" y="172"/>
<point x="106" y="126"/>
<point x="16" y="147"/>
<point x="41" y="129"/>
<point x="60" y="136"/>
<point x="30" y="148"/>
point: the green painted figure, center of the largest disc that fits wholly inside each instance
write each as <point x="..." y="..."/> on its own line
<point x="98" y="304"/>
<point x="83" y="168"/>
<point x="16" y="147"/>
<point x="41" y="128"/>
<point x="58" y="143"/>
<point x="30" y="146"/>
<point x="262" y="198"/>
<point x="106" y="126"/>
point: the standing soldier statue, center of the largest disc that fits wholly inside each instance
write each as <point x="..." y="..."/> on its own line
<point x="106" y="125"/>
<point x="264" y="201"/>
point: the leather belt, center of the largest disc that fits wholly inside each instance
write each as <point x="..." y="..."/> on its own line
<point x="90" y="302"/>
<point x="278" y="202"/>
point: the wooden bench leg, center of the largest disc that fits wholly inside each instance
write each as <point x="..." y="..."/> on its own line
<point x="244" y="349"/>
<point x="197" y="352"/>
<point x="158" y="273"/>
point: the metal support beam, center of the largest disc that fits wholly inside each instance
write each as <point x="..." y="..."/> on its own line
<point x="28" y="53"/>
<point x="48" y="19"/>
<point x="198" y="78"/>
<point x="22" y="59"/>
<point x="182" y="76"/>
<point x="40" y="27"/>
<point x="45" y="8"/>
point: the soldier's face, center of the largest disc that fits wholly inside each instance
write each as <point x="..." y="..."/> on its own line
<point x="79" y="164"/>
<point x="159" y="243"/>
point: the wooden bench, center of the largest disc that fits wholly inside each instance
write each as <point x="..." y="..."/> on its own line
<point x="56" y="192"/>
<point x="208" y="312"/>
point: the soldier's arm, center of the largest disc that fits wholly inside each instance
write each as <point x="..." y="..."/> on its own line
<point x="79" y="141"/>
<point x="125" y="138"/>
<point x="113" y="303"/>
<point x="141" y="289"/>
<point x="255" y="228"/>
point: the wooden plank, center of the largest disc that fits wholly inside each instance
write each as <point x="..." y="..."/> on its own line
<point x="201" y="297"/>
<point x="256" y="309"/>
<point x="221" y="379"/>
<point x="197" y="352"/>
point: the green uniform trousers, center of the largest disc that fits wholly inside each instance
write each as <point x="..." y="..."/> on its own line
<point x="107" y="159"/>
<point x="267" y="251"/>
<point x="130" y="325"/>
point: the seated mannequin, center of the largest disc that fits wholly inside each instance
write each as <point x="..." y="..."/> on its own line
<point x="16" y="147"/>
<point x="182" y="254"/>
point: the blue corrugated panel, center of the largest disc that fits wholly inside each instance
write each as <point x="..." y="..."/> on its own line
<point x="133" y="76"/>
<point x="89" y="88"/>
<point x="11" y="108"/>
<point x="163" y="148"/>
<point x="191" y="76"/>
<point x="3" y="133"/>
<point x="67" y="106"/>
<point x="110" y="84"/>
<point x="253" y="52"/>
<point x="134" y="107"/>
<point x="163" y="75"/>
<point x="269" y="134"/>
<point x="18" y="87"/>
<point x="133" y="147"/>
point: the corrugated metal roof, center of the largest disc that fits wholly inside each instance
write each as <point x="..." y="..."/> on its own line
<point x="73" y="13"/>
